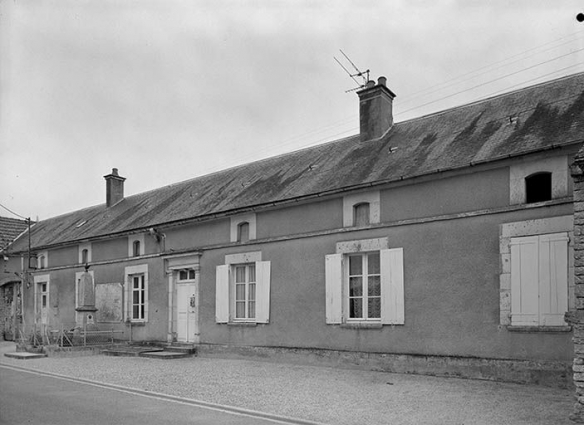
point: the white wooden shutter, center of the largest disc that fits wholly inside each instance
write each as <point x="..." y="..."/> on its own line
<point x="334" y="288"/>
<point x="392" y="286"/>
<point x="525" y="281"/>
<point x="222" y="294"/>
<point x="262" y="291"/>
<point x="553" y="279"/>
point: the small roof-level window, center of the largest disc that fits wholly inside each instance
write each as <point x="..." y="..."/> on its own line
<point x="361" y="214"/>
<point x="136" y="249"/>
<point x="538" y="187"/>
<point x="243" y="232"/>
<point x="84" y="256"/>
<point x="41" y="262"/>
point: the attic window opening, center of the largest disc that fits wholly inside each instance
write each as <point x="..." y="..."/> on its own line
<point x="538" y="187"/>
<point x="84" y="256"/>
<point x="136" y="249"/>
<point x="361" y="214"/>
<point x="243" y="232"/>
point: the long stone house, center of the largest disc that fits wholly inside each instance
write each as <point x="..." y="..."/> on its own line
<point x="441" y="244"/>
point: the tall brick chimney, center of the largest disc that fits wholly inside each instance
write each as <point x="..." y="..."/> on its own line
<point x="375" y="109"/>
<point x="114" y="188"/>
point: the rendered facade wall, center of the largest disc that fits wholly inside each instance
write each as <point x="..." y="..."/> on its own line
<point x="449" y="229"/>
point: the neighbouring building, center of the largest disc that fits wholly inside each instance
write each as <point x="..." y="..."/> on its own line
<point x="10" y="290"/>
<point x="441" y="244"/>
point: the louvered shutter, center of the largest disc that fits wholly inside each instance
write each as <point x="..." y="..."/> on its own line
<point x="525" y="281"/>
<point x="392" y="287"/>
<point x="334" y="288"/>
<point x="222" y="294"/>
<point x="553" y="279"/>
<point x="262" y="291"/>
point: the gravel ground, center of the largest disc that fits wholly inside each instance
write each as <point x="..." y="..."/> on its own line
<point x="321" y="394"/>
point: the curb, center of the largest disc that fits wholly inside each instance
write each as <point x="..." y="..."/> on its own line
<point x="176" y="399"/>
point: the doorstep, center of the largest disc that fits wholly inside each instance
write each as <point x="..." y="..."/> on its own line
<point x="25" y="355"/>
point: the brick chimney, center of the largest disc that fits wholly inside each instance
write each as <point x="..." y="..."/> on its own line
<point x="114" y="188"/>
<point x="375" y="109"/>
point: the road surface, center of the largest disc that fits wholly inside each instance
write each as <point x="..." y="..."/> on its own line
<point x="32" y="398"/>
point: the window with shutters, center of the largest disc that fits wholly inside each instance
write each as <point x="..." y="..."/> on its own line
<point x="539" y="280"/>
<point x="243" y="289"/>
<point x="365" y="283"/>
<point x="136" y="305"/>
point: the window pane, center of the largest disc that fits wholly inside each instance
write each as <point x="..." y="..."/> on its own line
<point x="135" y="312"/>
<point x="142" y="310"/>
<point x="182" y="275"/>
<point x="240" y="292"/>
<point x="251" y="313"/>
<point x="252" y="292"/>
<point x="373" y="263"/>
<point x="240" y="274"/>
<point x="240" y="309"/>
<point x="374" y="308"/>
<point x="355" y="265"/>
<point x="373" y="286"/>
<point x="191" y="274"/>
<point x="355" y="286"/>
<point x="44" y="297"/>
<point x="356" y="308"/>
<point x="136" y="297"/>
<point x="252" y="274"/>
<point x="136" y="281"/>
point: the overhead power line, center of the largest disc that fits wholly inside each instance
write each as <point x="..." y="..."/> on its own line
<point x="12" y="212"/>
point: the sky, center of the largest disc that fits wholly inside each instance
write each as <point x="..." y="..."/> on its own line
<point x="167" y="90"/>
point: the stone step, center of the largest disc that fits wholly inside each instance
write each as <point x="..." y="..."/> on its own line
<point x="166" y="355"/>
<point x="181" y="348"/>
<point x="25" y="355"/>
<point x="130" y="351"/>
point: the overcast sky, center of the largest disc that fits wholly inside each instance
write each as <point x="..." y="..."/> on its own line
<point x="167" y="90"/>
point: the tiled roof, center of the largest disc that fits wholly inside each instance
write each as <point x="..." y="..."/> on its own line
<point x="10" y="229"/>
<point x="527" y="120"/>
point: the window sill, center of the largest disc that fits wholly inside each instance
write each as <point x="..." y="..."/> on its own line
<point x="361" y="325"/>
<point x="132" y="323"/>
<point x="539" y="329"/>
<point x="244" y="324"/>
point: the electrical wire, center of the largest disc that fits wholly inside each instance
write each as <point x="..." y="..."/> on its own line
<point x="10" y="211"/>
<point x="491" y="81"/>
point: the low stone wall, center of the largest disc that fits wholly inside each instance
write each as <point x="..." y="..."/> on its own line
<point x="553" y="374"/>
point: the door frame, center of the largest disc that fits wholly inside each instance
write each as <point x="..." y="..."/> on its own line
<point x="174" y="264"/>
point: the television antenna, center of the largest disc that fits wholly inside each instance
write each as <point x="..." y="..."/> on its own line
<point x="363" y="74"/>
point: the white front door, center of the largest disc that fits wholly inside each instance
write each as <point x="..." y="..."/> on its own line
<point x="186" y="305"/>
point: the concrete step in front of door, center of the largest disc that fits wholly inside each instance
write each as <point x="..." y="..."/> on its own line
<point x="130" y="351"/>
<point x="179" y="347"/>
<point x="165" y="355"/>
<point x="23" y="355"/>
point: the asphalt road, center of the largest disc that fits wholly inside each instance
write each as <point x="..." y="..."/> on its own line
<point x="32" y="398"/>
